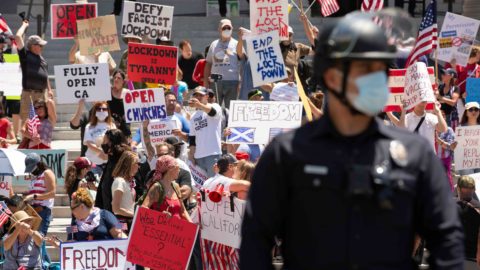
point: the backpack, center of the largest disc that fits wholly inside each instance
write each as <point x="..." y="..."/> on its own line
<point x="175" y="186"/>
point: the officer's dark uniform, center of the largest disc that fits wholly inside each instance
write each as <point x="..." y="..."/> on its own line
<point x="350" y="202"/>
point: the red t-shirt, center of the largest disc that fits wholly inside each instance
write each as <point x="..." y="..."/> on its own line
<point x="4" y="124"/>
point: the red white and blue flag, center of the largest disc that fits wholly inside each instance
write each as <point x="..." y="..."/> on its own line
<point x="33" y="121"/>
<point x="4" y="213"/>
<point x="328" y="7"/>
<point x="372" y="5"/>
<point x="427" y="35"/>
<point x="4" y="29"/>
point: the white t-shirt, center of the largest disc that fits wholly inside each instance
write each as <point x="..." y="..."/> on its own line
<point x="224" y="59"/>
<point x="207" y="131"/>
<point x="127" y="201"/>
<point x="104" y="57"/>
<point x="95" y="134"/>
<point x="211" y="183"/>
<point x="427" y="129"/>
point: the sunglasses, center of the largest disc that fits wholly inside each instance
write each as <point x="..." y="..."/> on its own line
<point x="38" y="107"/>
<point x="75" y="207"/>
<point x="473" y="110"/>
<point x="226" y="28"/>
<point x="102" y="109"/>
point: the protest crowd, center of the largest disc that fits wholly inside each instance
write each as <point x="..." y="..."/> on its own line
<point x="358" y="150"/>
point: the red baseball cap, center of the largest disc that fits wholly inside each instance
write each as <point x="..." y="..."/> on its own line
<point x="82" y="163"/>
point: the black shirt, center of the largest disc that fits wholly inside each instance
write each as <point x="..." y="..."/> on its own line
<point x="314" y="189"/>
<point x="118" y="115"/>
<point x="34" y="70"/>
<point x="187" y="66"/>
<point x="471" y="223"/>
<point x="444" y="106"/>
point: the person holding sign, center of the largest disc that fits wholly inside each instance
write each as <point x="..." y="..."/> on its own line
<point x="99" y="123"/>
<point x="91" y="223"/>
<point x="373" y="186"/>
<point x="116" y="104"/>
<point x="448" y="95"/>
<point x="74" y="57"/>
<point x="22" y="246"/>
<point x="34" y="70"/>
<point x="42" y="138"/>
<point x="470" y="118"/>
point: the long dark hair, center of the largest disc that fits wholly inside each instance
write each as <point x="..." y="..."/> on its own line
<point x="464" y="119"/>
<point x="118" y="143"/>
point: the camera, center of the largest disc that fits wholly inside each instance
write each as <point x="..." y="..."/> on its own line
<point x="216" y="77"/>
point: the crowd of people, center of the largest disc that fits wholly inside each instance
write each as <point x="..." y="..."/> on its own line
<point x="120" y="168"/>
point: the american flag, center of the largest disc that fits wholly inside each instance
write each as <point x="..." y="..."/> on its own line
<point x="33" y="121"/>
<point x="5" y="213"/>
<point x="372" y="5"/>
<point x="4" y="29"/>
<point x="328" y="7"/>
<point x="72" y="229"/>
<point x="427" y="35"/>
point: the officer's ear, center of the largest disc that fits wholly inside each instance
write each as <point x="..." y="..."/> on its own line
<point x="333" y="79"/>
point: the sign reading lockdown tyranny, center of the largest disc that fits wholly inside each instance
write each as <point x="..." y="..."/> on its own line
<point x="220" y="222"/>
<point x="269" y="15"/>
<point x="97" y="35"/>
<point x="418" y="87"/>
<point x="152" y="64"/>
<point x="266" y="61"/>
<point x="63" y="18"/>
<point x="467" y="152"/>
<point x="147" y="20"/>
<point x="83" y="81"/>
<point x="255" y="121"/>
<point x="159" y="241"/>
<point x="94" y="255"/>
<point x="456" y="38"/>
<point x="396" y="84"/>
<point x="144" y="104"/>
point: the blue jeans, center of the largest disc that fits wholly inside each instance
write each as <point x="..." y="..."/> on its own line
<point x="46" y="215"/>
<point x="226" y="91"/>
<point x="206" y="163"/>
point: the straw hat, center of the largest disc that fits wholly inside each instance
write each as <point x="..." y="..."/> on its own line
<point x="27" y="214"/>
<point x="19" y="216"/>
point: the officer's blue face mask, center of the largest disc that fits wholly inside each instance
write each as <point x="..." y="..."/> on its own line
<point x="373" y="93"/>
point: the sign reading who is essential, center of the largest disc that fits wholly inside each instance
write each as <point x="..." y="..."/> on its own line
<point x="85" y="81"/>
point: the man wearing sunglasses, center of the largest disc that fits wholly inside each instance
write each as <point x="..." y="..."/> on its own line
<point x="34" y="70"/>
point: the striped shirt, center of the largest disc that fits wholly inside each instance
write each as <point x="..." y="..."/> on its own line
<point x="37" y="186"/>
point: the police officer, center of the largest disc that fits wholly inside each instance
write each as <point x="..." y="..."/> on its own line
<point x="346" y="191"/>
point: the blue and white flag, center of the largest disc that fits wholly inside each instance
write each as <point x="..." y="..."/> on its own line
<point x="241" y="135"/>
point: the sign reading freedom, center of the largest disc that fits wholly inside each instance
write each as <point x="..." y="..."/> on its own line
<point x="152" y="64"/>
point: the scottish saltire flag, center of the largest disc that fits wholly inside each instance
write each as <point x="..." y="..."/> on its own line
<point x="242" y="135"/>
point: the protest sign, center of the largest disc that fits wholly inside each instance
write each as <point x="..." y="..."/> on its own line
<point x="83" y="81"/>
<point x="56" y="159"/>
<point x="5" y="185"/>
<point x="152" y="64"/>
<point x="11" y="79"/>
<point x="159" y="241"/>
<point x="93" y="255"/>
<point x="222" y="221"/>
<point x="473" y="90"/>
<point x="266" y="61"/>
<point x="396" y="84"/>
<point x="97" y="35"/>
<point x="259" y="118"/>
<point x="418" y="87"/>
<point x="284" y="92"/>
<point x="160" y="130"/>
<point x="456" y="38"/>
<point x="270" y="15"/>
<point x="144" y="104"/>
<point x="198" y="174"/>
<point x="63" y="18"/>
<point x="147" y="20"/>
<point x="467" y="152"/>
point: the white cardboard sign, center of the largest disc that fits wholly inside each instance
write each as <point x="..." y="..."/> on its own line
<point x="11" y="79"/>
<point x="268" y="16"/>
<point x="144" y="104"/>
<point x="84" y="81"/>
<point x="467" y="152"/>
<point x="147" y="20"/>
<point x="418" y="87"/>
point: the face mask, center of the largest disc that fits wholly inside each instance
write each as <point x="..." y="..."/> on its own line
<point x="372" y="93"/>
<point x="105" y="147"/>
<point x="35" y="171"/>
<point x="226" y="33"/>
<point x="101" y="115"/>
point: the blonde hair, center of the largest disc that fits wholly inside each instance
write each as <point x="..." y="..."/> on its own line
<point x="82" y="196"/>
<point x="246" y="169"/>
<point x="124" y="165"/>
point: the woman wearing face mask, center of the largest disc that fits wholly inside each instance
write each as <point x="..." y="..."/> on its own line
<point x="116" y="104"/>
<point x="42" y="137"/>
<point x="98" y="124"/>
<point x="7" y="136"/>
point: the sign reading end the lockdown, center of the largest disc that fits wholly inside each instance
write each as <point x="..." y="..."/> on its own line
<point x="147" y="20"/>
<point x="84" y="81"/>
<point x="63" y="18"/>
<point x="152" y="64"/>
